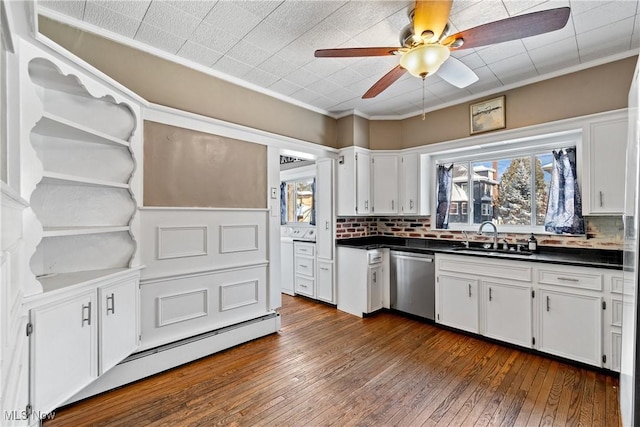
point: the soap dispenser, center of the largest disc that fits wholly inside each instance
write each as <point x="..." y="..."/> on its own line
<point x="533" y="243"/>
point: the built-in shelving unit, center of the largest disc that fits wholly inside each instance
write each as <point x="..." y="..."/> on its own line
<point x="83" y="201"/>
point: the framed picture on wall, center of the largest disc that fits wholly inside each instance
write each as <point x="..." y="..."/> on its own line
<point x="487" y="115"/>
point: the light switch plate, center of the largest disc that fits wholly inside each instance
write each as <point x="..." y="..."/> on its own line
<point x="274" y="193"/>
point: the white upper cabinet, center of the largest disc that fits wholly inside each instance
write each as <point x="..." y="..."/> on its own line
<point x="353" y="182"/>
<point x="324" y="209"/>
<point x="605" y="145"/>
<point x="385" y="169"/>
<point x="409" y="184"/>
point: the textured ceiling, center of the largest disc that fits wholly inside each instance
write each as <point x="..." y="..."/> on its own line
<point x="270" y="44"/>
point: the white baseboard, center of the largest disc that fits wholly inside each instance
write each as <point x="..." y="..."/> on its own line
<point x="150" y="362"/>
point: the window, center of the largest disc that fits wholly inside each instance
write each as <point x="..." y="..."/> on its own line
<point x="453" y="210"/>
<point x="509" y="186"/>
<point x="299" y="200"/>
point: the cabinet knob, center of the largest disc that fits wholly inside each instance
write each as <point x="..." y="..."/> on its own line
<point x="548" y="303"/>
<point x="410" y="204"/>
<point x="601" y="199"/>
<point x="469" y="290"/>
<point x="490" y="296"/>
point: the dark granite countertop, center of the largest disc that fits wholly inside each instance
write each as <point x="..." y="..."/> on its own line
<point x="568" y="256"/>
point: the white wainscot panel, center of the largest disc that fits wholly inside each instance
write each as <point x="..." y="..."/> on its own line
<point x="182" y="241"/>
<point x="237" y="295"/>
<point x="175" y="241"/>
<point x="184" y="306"/>
<point x="238" y="238"/>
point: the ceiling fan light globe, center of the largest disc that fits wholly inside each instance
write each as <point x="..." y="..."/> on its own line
<point x="425" y="59"/>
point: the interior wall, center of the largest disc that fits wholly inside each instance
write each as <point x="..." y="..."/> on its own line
<point x="384" y="134"/>
<point x="170" y="84"/>
<point x="187" y="168"/>
<point x="590" y="91"/>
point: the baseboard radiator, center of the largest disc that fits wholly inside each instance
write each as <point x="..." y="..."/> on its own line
<point x="152" y="361"/>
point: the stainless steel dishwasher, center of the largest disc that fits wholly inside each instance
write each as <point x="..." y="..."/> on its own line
<point x="413" y="283"/>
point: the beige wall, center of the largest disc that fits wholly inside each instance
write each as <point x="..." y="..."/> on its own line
<point x="589" y="91"/>
<point x="186" y="168"/>
<point x="167" y="83"/>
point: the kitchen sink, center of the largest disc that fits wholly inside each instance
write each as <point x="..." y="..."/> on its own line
<point x="491" y="251"/>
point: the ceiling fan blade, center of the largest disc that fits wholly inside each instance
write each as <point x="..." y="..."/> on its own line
<point x="386" y="81"/>
<point x="355" y="52"/>
<point x="431" y="15"/>
<point x="516" y="27"/>
<point x="457" y="73"/>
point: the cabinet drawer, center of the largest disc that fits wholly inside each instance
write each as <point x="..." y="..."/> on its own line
<point x="305" y="286"/>
<point x="305" y="266"/>
<point x="573" y="279"/>
<point x="305" y="249"/>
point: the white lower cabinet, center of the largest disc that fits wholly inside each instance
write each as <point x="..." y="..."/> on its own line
<point x="63" y="350"/>
<point x="361" y="279"/>
<point x="562" y="310"/>
<point x="457" y="301"/>
<point x="76" y="338"/>
<point x="304" y="268"/>
<point x="571" y="325"/>
<point x="375" y="294"/>
<point x="506" y="313"/>
<point x="118" y="337"/>
<point x="325" y="290"/>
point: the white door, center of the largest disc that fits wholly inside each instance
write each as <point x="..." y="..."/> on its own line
<point x="385" y="184"/>
<point x="457" y="302"/>
<point x="286" y="267"/>
<point x="571" y="326"/>
<point x="409" y="185"/>
<point x="119" y="322"/>
<point x="507" y="313"/>
<point x="324" y="282"/>
<point x="324" y="208"/>
<point x="63" y="350"/>
<point x="363" y="183"/>
<point x="375" y="290"/>
<point x="607" y="150"/>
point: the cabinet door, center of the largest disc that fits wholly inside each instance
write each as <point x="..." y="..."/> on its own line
<point x="507" y="313"/>
<point x="385" y="184"/>
<point x="457" y="301"/>
<point x="375" y="289"/>
<point x="119" y="322"/>
<point x="571" y="326"/>
<point x="409" y="188"/>
<point x="63" y="350"/>
<point x="324" y="208"/>
<point x="324" y="282"/>
<point x="363" y="183"/>
<point x="606" y="166"/>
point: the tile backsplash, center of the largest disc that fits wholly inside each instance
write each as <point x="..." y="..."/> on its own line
<point x="604" y="232"/>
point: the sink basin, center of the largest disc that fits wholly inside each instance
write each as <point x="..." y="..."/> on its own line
<point x="490" y="251"/>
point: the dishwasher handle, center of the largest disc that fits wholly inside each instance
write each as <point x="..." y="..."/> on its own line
<point x="412" y="256"/>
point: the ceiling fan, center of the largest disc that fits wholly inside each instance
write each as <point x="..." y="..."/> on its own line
<point x="426" y="46"/>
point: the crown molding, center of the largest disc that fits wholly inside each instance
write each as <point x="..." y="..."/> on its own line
<point x="73" y="22"/>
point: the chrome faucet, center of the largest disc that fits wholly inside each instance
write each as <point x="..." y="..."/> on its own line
<point x="495" y="232"/>
<point x="466" y="239"/>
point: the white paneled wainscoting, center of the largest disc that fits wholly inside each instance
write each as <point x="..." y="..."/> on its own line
<point x="204" y="288"/>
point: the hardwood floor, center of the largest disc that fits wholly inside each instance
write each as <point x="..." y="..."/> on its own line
<point x="326" y="367"/>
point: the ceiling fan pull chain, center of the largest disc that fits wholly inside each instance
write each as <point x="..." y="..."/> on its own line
<point x="423" y="112"/>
